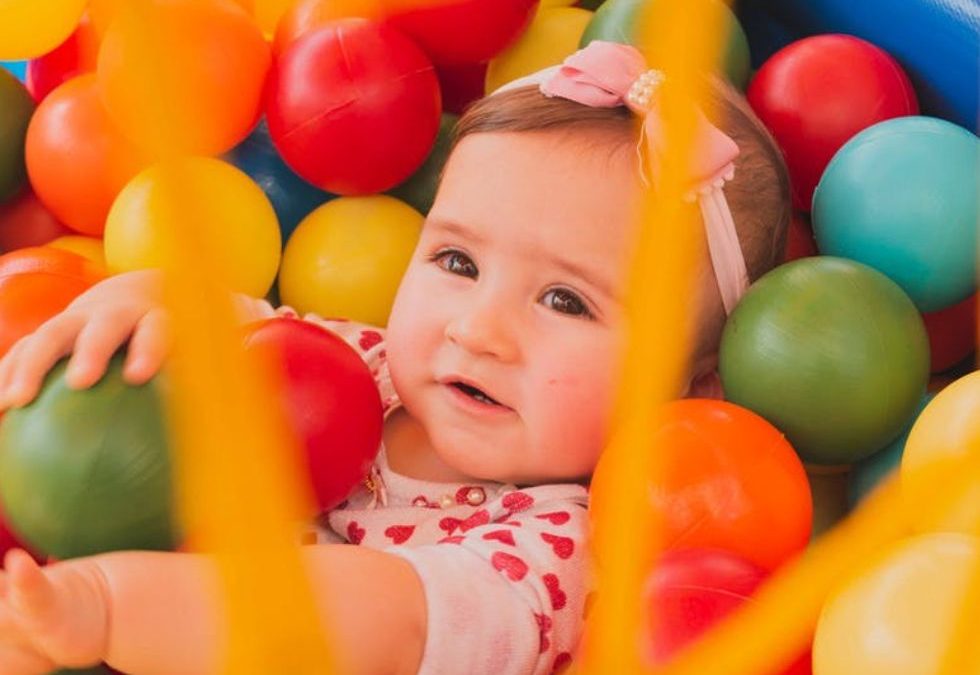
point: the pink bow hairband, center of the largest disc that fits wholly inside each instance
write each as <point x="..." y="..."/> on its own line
<point x="608" y="75"/>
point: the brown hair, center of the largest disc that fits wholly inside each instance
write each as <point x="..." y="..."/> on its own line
<point x="759" y="195"/>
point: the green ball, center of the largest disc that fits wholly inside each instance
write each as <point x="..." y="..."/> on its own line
<point x="831" y="352"/>
<point x="617" y="21"/>
<point x="85" y="472"/>
<point x="16" y="108"/>
<point x="419" y="191"/>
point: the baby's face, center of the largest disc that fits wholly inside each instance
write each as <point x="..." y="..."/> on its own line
<point x="505" y="336"/>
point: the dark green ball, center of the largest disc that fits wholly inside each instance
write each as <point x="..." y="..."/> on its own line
<point x="618" y="21"/>
<point x="16" y="108"/>
<point x="85" y="472"/>
<point x="419" y="191"/>
<point x="831" y="352"/>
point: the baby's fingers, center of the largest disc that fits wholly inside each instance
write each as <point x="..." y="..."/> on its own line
<point x="148" y="347"/>
<point x="24" y="367"/>
<point x="98" y="340"/>
<point x="28" y="592"/>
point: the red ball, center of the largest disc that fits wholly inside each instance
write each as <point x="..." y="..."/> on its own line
<point x="25" y="221"/>
<point x="7" y="539"/>
<point x="952" y="333"/>
<point x="800" y="242"/>
<point x="353" y="107"/>
<point x="76" y="55"/>
<point x="461" y="85"/>
<point x="691" y="590"/>
<point x="816" y="93"/>
<point x="467" y="31"/>
<point x="332" y="403"/>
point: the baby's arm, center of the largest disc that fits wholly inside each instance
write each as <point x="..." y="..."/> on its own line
<point x="159" y="612"/>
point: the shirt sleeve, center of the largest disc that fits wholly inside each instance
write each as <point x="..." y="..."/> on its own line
<point x="506" y="596"/>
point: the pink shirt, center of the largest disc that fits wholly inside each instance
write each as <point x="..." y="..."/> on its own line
<point x="504" y="569"/>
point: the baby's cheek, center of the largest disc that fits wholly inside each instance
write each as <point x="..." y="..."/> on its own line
<point x="578" y="413"/>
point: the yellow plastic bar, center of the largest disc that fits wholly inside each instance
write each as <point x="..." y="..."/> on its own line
<point x="683" y="40"/>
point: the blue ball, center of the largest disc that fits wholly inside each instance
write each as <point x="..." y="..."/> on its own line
<point x="866" y="474"/>
<point x="901" y="196"/>
<point x="18" y="68"/>
<point x="291" y="196"/>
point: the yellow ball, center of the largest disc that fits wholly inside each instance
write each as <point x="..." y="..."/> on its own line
<point x="88" y="247"/>
<point x="552" y="36"/>
<point x="896" y="617"/>
<point x="945" y="436"/>
<point x="347" y="258"/>
<point x="29" y="28"/>
<point x="206" y="196"/>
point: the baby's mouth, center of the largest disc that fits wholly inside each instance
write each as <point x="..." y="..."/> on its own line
<point x="475" y="393"/>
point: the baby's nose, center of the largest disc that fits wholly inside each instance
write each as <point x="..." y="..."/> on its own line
<point x="484" y="328"/>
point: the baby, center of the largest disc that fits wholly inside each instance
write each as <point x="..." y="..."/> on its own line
<point x="497" y="370"/>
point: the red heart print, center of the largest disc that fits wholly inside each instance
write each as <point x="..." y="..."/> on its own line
<point x="449" y="525"/>
<point x="517" y="501"/>
<point x="562" y="546"/>
<point x="544" y="625"/>
<point x="369" y="338"/>
<point x="558" y="597"/>
<point x="503" y="536"/>
<point x="452" y="540"/>
<point x="562" y="661"/>
<point x="503" y="520"/>
<point x="399" y="534"/>
<point x="355" y="533"/>
<point x="511" y="565"/>
<point x="555" y="517"/>
<point x="481" y="517"/>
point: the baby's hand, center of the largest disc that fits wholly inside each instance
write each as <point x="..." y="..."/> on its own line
<point x="93" y="326"/>
<point x="52" y="617"/>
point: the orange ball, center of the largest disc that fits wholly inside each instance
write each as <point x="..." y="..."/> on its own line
<point x="37" y="283"/>
<point x="305" y="15"/>
<point x="183" y="76"/>
<point x="730" y="481"/>
<point x="77" y="159"/>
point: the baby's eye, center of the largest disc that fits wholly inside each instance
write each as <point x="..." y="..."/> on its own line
<point x="565" y="301"/>
<point x="455" y="262"/>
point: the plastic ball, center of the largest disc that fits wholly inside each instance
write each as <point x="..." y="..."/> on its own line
<point x="952" y="333"/>
<point x="76" y="55"/>
<point x="800" y="242"/>
<point x="896" y="616"/>
<point x="77" y="158"/>
<point x="466" y="31"/>
<point x="902" y="198"/>
<point x="943" y="439"/>
<point x="196" y="87"/>
<point x="8" y="540"/>
<point x="17" y="106"/>
<point x="87" y="247"/>
<point x="16" y="68"/>
<point x="461" y="85"/>
<point x="831" y="352"/>
<point x="306" y="15"/>
<point x="354" y="107"/>
<point x="348" y="257"/>
<point x="729" y="481"/>
<point x="208" y="195"/>
<point x="30" y="28"/>
<point x="85" y="472"/>
<point x="24" y="221"/>
<point x="292" y="197"/>
<point x="330" y="400"/>
<point x="619" y="21"/>
<point x="690" y="590"/>
<point x="552" y="36"/>
<point x="37" y="283"/>
<point x="419" y="191"/>
<point x="817" y="93"/>
<point x="870" y="471"/>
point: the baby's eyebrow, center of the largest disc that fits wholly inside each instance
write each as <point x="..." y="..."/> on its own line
<point x="456" y="228"/>
<point x="582" y="272"/>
